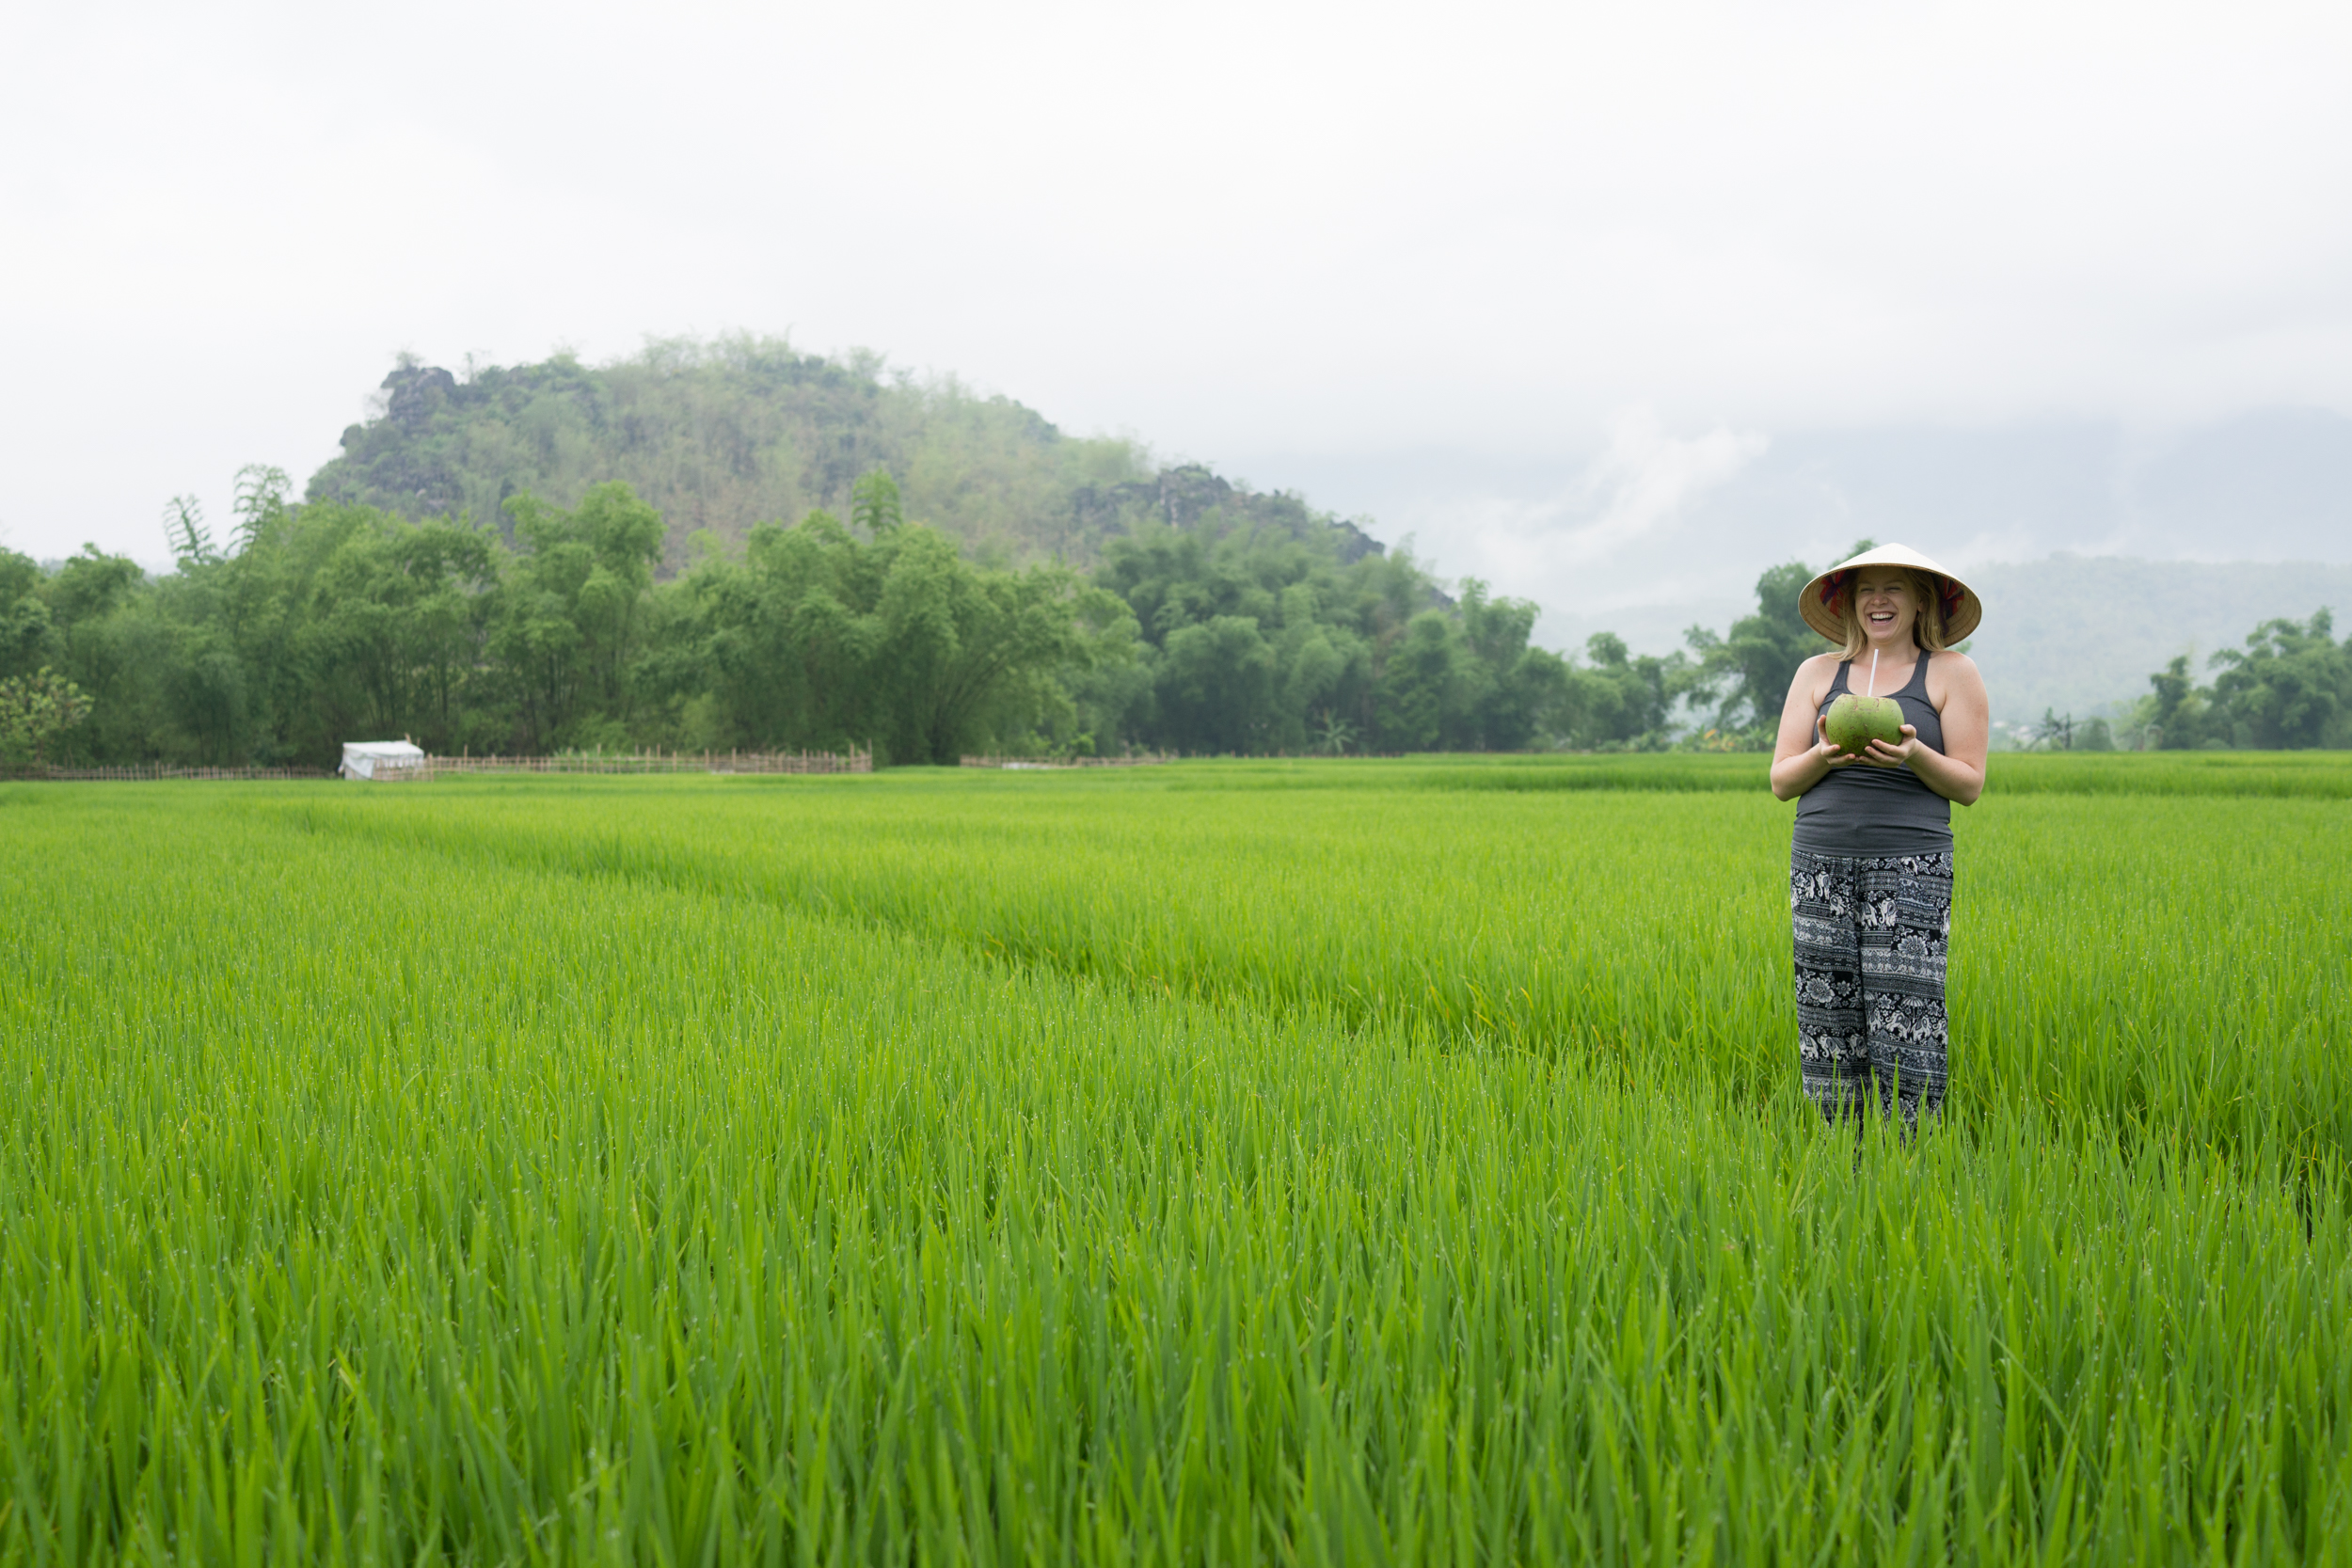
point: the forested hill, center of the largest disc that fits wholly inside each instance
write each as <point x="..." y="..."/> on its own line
<point x="514" y="561"/>
<point x="726" y="434"/>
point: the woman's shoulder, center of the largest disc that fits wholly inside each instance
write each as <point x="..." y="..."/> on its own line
<point x="1950" y="670"/>
<point x="1813" y="678"/>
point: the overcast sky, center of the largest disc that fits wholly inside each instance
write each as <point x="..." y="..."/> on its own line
<point x="1541" y="284"/>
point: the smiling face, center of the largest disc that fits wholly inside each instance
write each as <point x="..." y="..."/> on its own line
<point x="1886" y="604"/>
<point x="1887" y="608"/>
<point x="1898" y="611"/>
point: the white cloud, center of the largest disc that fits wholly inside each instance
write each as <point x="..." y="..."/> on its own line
<point x="1646" y="478"/>
<point x="1235" y="227"/>
<point x="1619" y="512"/>
<point x="1608" y="537"/>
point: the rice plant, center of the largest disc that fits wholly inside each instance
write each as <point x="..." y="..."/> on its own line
<point x="1218" y="1165"/>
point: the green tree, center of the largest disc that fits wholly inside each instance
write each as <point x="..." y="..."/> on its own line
<point x="261" y="500"/>
<point x="820" y="639"/>
<point x="393" y="630"/>
<point x="1510" y="686"/>
<point x="2290" y="687"/>
<point x="874" y="504"/>
<point x="1333" y="735"/>
<point x="571" y="625"/>
<point x="2175" y="713"/>
<point x="1252" y="627"/>
<point x="1621" y="703"/>
<point x="27" y="630"/>
<point x="36" y="713"/>
<point x="1747" y="671"/>
<point x="113" y="644"/>
<point x="787" y="639"/>
<point x="1217" y="686"/>
<point x="969" y="653"/>
<point x="184" y="530"/>
<point x="1423" y="680"/>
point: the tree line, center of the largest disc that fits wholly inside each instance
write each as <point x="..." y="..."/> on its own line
<point x="1219" y="632"/>
<point x="319" y="622"/>
<point x="2288" y="689"/>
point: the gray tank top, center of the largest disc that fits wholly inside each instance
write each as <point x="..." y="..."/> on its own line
<point x="1878" y="811"/>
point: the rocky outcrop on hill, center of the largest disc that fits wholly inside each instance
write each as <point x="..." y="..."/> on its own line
<point x="1184" y="497"/>
<point x="721" y="436"/>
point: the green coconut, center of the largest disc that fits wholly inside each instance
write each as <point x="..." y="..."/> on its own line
<point x="1854" y="722"/>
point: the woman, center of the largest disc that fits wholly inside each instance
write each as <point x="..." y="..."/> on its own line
<point x="1871" y="870"/>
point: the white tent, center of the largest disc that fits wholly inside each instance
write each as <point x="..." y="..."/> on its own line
<point x="382" y="759"/>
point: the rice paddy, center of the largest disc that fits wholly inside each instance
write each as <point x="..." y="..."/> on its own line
<point x="1245" y="1163"/>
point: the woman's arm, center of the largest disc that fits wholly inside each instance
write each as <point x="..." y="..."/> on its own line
<point x="1801" y="758"/>
<point x="1957" y="772"/>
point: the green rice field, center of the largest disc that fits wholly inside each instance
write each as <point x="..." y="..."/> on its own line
<point x="1245" y="1163"/>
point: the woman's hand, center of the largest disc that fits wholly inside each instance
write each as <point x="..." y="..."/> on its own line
<point x="1802" y="755"/>
<point x="1898" y="753"/>
<point x="1826" y="751"/>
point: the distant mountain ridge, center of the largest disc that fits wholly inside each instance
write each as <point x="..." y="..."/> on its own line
<point x="2082" y="634"/>
<point x="722" y="436"/>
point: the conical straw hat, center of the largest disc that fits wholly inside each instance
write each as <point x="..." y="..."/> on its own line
<point x="1818" y="604"/>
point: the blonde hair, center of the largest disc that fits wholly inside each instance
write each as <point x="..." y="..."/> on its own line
<point x="1928" y="592"/>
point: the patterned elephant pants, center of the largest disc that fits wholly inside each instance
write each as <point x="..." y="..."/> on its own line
<point x="1870" y="938"/>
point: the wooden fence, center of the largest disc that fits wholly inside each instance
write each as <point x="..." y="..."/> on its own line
<point x="436" y="768"/>
<point x="1041" y="764"/>
<point x="643" y="762"/>
<point x="140" y="773"/>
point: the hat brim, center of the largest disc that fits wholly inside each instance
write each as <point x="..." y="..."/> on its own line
<point x="1962" y="612"/>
